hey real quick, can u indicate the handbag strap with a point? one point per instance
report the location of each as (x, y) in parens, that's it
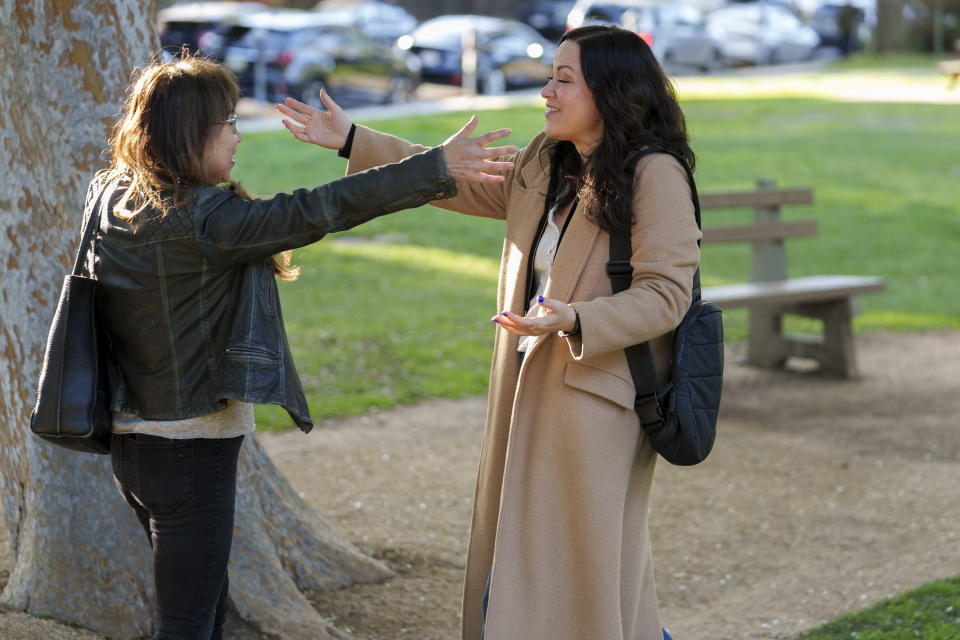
(530, 287)
(639, 357)
(91, 221)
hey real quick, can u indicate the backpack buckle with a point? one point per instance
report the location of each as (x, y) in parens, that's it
(619, 268)
(648, 407)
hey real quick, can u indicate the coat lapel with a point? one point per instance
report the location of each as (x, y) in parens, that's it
(526, 209)
(578, 243)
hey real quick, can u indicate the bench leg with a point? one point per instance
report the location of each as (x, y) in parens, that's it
(765, 339)
(767, 346)
(839, 357)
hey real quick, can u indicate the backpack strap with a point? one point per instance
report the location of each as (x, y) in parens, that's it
(639, 357)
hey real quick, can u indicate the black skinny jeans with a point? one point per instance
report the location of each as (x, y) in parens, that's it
(184, 493)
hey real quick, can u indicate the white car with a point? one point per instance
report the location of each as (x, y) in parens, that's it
(379, 20)
(761, 33)
(676, 32)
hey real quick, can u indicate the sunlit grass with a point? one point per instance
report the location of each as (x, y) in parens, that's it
(863, 61)
(930, 612)
(373, 325)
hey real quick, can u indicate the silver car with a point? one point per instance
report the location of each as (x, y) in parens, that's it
(381, 21)
(761, 33)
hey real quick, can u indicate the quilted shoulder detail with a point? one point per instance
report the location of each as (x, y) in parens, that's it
(177, 224)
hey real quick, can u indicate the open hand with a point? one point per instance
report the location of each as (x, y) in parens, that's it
(558, 316)
(324, 128)
(468, 158)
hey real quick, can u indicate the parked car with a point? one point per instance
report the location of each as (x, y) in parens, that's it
(761, 33)
(379, 20)
(681, 38)
(509, 53)
(635, 15)
(303, 53)
(191, 24)
(549, 17)
(676, 32)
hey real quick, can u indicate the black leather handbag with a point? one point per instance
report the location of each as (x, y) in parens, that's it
(73, 397)
(680, 419)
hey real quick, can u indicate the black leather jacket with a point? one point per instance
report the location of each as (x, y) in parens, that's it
(190, 300)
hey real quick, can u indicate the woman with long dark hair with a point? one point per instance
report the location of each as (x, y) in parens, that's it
(186, 263)
(559, 547)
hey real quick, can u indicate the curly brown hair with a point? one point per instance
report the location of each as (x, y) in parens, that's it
(639, 109)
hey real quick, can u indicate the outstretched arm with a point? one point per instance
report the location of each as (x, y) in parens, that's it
(468, 159)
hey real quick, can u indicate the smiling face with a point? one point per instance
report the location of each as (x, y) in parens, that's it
(218, 153)
(571, 112)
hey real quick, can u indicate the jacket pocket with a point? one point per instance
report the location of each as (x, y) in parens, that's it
(253, 371)
(600, 383)
(251, 354)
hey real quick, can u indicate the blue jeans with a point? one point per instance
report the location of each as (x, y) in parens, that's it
(486, 599)
(183, 492)
(483, 606)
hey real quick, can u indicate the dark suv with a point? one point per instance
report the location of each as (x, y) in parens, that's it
(303, 51)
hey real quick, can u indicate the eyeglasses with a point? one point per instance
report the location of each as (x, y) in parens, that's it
(232, 121)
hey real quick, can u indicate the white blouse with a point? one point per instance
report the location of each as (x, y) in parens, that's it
(542, 264)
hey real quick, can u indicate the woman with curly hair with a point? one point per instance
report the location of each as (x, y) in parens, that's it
(559, 547)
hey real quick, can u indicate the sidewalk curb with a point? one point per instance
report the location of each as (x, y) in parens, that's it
(260, 116)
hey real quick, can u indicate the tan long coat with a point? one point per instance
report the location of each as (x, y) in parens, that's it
(560, 513)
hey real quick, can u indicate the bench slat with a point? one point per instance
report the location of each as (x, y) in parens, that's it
(949, 66)
(762, 231)
(759, 198)
(791, 291)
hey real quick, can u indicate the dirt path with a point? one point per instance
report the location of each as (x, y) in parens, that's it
(821, 497)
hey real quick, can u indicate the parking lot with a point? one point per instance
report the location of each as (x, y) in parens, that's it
(376, 53)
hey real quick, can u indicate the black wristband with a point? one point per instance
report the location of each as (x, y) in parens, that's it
(348, 145)
(576, 327)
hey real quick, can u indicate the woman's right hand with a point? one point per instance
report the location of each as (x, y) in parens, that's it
(469, 159)
(324, 128)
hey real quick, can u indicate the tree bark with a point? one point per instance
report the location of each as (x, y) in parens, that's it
(77, 552)
(891, 30)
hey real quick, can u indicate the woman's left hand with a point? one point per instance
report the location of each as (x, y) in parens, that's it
(559, 316)
(324, 128)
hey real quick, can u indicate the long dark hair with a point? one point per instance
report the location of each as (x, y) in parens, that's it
(639, 109)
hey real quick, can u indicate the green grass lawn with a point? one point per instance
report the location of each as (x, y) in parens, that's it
(930, 612)
(401, 312)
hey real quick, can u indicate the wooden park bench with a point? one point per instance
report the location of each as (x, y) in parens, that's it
(951, 68)
(770, 294)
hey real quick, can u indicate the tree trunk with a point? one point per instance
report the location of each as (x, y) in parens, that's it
(890, 34)
(77, 553)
